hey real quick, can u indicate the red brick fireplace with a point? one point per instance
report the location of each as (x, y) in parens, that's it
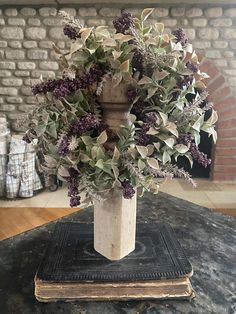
(223, 166)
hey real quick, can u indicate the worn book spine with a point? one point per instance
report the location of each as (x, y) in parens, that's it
(69, 291)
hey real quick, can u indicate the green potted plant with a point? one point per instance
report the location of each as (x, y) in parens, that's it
(130, 101)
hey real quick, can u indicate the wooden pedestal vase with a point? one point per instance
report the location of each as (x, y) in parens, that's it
(115, 225)
(115, 216)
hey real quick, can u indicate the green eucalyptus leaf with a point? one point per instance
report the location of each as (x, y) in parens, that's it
(84, 158)
(52, 130)
(50, 161)
(145, 13)
(143, 151)
(125, 66)
(172, 127)
(159, 27)
(145, 80)
(153, 163)
(170, 142)
(102, 138)
(116, 154)
(166, 157)
(40, 129)
(115, 170)
(63, 172)
(87, 140)
(164, 118)
(85, 34)
(141, 165)
(181, 148)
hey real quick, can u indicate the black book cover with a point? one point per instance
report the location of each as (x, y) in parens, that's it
(70, 256)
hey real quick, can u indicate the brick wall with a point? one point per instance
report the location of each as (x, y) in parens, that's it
(26, 35)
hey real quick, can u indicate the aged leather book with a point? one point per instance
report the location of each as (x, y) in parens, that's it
(72, 270)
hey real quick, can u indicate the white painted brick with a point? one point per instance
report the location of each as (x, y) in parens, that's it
(180, 11)
(28, 11)
(208, 33)
(221, 44)
(11, 12)
(221, 22)
(87, 12)
(194, 12)
(48, 11)
(213, 12)
(109, 12)
(200, 22)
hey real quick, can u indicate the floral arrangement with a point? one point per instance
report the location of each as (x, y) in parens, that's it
(169, 105)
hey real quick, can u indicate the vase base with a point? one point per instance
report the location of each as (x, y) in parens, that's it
(72, 270)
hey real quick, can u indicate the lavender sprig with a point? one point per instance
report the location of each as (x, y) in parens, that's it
(197, 155)
(128, 190)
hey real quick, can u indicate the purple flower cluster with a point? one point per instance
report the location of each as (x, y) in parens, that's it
(150, 118)
(139, 106)
(70, 32)
(128, 190)
(180, 36)
(63, 148)
(86, 123)
(192, 66)
(64, 87)
(131, 94)
(137, 60)
(124, 23)
(73, 192)
(197, 155)
(184, 81)
(143, 137)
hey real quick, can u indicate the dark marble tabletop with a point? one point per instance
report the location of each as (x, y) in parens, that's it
(207, 237)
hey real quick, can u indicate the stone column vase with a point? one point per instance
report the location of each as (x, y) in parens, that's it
(115, 216)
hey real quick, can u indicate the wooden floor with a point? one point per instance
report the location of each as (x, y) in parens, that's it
(17, 220)
(24, 214)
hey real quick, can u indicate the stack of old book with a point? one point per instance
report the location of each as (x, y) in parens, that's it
(72, 270)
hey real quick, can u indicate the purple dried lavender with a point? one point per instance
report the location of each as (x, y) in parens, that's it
(138, 107)
(184, 81)
(143, 138)
(123, 23)
(63, 148)
(131, 94)
(180, 36)
(75, 201)
(197, 155)
(73, 172)
(192, 66)
(86, 123)
(128, 190)
(70, 32)
(150, 118)
(64, 87)
(137, 60)
(73, 191)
